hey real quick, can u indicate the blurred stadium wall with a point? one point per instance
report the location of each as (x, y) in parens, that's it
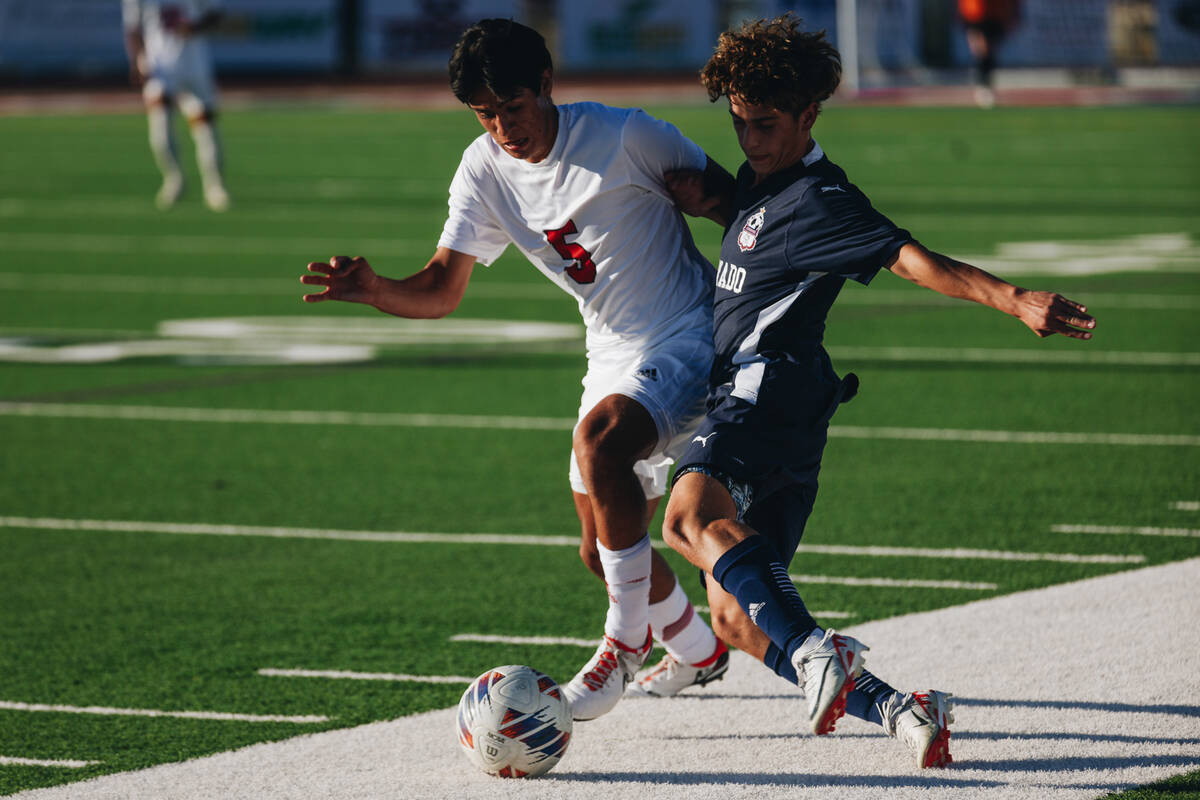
(895, 42)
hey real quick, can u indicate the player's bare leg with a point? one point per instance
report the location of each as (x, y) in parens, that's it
(208, 159)
(162, 146)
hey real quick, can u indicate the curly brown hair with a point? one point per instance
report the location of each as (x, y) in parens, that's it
(773, 63)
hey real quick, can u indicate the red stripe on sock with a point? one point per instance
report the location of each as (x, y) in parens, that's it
(676, 627)
(708, 662)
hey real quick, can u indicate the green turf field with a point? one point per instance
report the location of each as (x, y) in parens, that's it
(106, 419)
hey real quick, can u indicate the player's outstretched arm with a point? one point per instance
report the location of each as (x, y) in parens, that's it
(1044, 313)
(706, 194)
(433, 292)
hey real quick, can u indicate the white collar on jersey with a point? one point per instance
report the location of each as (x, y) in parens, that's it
(814, 155)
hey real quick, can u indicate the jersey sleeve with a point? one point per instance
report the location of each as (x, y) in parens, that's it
(842, 233)
(469, 227)
(655, 146)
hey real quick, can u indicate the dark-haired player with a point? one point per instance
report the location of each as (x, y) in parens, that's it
(796, 229)
(579, 190)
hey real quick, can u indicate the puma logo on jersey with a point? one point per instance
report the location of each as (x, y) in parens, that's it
(703, 440)
(834, 188)
(731, 277)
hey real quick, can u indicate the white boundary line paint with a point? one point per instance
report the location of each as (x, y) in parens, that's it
(489, 638)
(996, 355)
(45, 762)
(360, 676)
(152, 712)
(204, 529)
(1059, 737)
(1186, 505)
(895, 582)
(1127, 530)
(366, 419)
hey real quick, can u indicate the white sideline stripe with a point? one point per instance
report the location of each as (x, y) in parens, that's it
(152, 712)
(1186, 505)
(365, 419)
(44, 762)
(360, 676)
(990, 355)
(894, 582)
(539, 640)
(962, 552)
(205, 529)
(1127, 530)
(190, 528)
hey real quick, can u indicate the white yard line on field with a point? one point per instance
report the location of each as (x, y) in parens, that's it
(1186, 505)
(45, 762)
(1129, 530)
(999, 355)
(367, 419)
(153, 712)
(409, 537)
(360, 676)
(895, 582)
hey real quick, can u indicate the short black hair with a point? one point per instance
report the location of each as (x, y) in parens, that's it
(500, 55)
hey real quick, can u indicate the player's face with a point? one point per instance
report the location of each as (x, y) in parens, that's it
(525, 124)
(771, 139)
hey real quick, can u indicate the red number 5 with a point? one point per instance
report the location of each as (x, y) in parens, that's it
(584, 269)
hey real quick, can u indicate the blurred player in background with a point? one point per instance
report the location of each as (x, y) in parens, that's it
(987, 23)
(579, 190)
(169, 57)
(795, 230)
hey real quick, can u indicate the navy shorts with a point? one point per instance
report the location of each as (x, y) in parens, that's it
(768, 453)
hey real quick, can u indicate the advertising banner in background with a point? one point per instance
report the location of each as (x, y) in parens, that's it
(417, 35)
(636, 34)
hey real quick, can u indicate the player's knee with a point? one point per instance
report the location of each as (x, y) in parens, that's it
(598, 444)
(683, 528)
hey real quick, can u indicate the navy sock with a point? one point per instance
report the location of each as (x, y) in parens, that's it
(751, 572)
(777, 660)
(869, 694)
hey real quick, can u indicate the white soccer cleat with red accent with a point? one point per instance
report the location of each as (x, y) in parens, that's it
(669, 676)
(827, 671)
(922, 721)
(598, 687)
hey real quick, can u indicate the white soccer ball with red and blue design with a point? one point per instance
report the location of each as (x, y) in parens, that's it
(513, 722)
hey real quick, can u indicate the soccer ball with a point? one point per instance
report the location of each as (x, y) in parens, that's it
(513, 722)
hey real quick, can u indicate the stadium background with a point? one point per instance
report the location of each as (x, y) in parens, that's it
(172, 416)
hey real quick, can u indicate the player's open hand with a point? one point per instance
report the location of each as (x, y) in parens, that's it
(686, 187)
(348, 279)
(1048, 313)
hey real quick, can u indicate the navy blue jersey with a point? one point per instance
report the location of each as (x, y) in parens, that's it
(793, 241)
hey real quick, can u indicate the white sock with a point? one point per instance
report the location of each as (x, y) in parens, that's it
(627, 575)
(208, 152)
(680, 629)
(162, 143)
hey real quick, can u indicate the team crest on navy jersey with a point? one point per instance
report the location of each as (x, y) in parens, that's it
(749, 235)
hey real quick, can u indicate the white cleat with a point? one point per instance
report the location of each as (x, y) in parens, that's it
(670, 677)
(216, 198)
(599, 685)
(169, 194)
(827, 671)
(922, 721)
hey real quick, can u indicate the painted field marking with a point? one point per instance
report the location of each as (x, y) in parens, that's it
(894, 582)
(1134, 530)
(706, 609)
(1186, 505)
(44, 762)
(360, 676)
(152, 712)
(998, 355)
(367, 419)
(488, 638)
(204, 529)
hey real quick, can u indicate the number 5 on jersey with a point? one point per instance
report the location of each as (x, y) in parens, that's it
(584, 269)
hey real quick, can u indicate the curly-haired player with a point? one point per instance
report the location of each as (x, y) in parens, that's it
(795, 229)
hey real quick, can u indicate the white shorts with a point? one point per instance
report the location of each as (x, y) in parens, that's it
(188, 81)
(670, 382)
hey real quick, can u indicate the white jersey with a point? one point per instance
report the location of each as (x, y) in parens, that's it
(595, 217)
(159, 21)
